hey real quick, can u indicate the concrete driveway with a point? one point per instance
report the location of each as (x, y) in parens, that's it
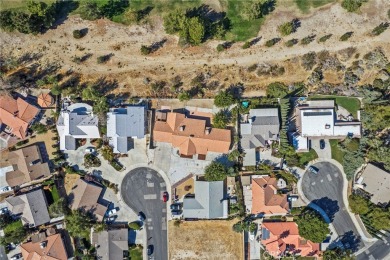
(142, 189)
(325, 153)
(325, 189)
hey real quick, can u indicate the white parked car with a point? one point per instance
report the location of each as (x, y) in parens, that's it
(90, 150)
(112, 212)
(6, 188)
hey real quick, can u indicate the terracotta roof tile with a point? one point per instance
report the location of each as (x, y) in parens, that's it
(17, 114)
(285, 236)
(45, 100)
(191, 135)
(265, 199)
(54, 249)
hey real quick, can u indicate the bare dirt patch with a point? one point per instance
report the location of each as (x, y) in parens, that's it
(202, 239)
(69, 182)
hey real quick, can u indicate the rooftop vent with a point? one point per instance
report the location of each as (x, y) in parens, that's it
(182, 128)
(43, 244)
(207, 131)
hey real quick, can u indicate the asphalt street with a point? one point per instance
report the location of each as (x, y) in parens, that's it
(325, 189)
(380, 250)
(142, 190)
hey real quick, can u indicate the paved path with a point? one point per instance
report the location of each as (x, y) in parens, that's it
(142, 190)
(325, 189)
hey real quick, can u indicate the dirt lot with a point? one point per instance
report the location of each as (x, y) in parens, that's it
(202, 239)
(130, 68)
(70, 180)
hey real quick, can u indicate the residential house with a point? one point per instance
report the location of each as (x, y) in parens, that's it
(376, 183)
(23, 166)
(208, 202)
(192, 136)
(123, 123)
(265, 197)
(31, 207)
(16, 116)
(318, 119)
(281, 238)
(259, 128)
(111, 244)
(44, 247)
(45, 100)
(85, 196)
(76, 121)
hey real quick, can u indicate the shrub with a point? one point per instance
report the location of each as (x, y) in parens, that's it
(308, 60)
(277, 90)
(325, 38)
(20, 143)
(134, 225)
(184, 96)
(77, 34)
(286, 28)
(380, 29)
(91, 160)
(291, 42)
(307, 40)
(272, 42)
(224, 99)
(39, 128)
(215, 171)
(246, 45)
(352, 5)
(346, 36)
(252, 67)
(103, 59)
(145, 50)
(116, 165)
(220, 47)
(221, 119)
(89, 11)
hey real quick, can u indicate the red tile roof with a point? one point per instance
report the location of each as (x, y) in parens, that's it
(16, 114)
(45, 100)
(285, 236)
(53, 250)
(265, 199)
(191, 135)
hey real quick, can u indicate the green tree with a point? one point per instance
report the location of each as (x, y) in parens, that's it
(14, 232)
(77, 34)
(89, 11)
(78, 224)
(174, 21)
(257, 9)
(358, 204)
(312, 227)
(56, 90)
(107, 153)
(224, 99)
(352, 5)
(58, 208)
(90, 93)
(101, 105)
(215, 171)
(380, 218)
(277, 90)
(184, 96)
(233, 155)
(221, 119)
(196, 30)
(286, 28)
(376, 117)
(6, 20)
(5, 219)
(39, 128)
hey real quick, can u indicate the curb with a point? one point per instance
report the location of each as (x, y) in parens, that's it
(345, 197)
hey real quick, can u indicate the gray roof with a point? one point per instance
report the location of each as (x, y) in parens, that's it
(70, 142)
(209, 201)
(263, 125)
(130, 121)
(111, 244)
(376, 182)
(122, 144)
(32, 206)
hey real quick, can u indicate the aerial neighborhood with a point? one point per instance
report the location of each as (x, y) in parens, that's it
(188, 130)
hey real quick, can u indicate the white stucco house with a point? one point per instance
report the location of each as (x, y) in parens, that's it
(125, 123)
(76, 121)
(318, 119)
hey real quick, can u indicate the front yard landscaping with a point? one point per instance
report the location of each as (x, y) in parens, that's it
(337, 153)
(305, 158)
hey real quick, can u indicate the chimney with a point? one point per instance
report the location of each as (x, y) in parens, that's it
(182, 128)
(207, 131)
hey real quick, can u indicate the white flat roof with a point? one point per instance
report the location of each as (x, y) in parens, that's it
(317, 122)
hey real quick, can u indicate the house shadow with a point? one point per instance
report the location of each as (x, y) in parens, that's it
(132, 236)
(330, 207)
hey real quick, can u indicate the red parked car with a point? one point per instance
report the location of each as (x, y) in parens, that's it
(165, 196)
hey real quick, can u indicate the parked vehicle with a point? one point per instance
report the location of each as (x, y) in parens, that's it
(313, 169)
(90, 150)
(175, 206)
(150, 250)
(3, 211)
(112, 212)
(322, 144)
(6, 188)
(165, 196)
(141, 216)
(17, 256)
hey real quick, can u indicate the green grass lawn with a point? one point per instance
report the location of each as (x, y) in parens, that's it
(135, 253)
(18, 5)
(304, 158)
(242, 29)
(13, 226)
(349, 103)
(54, 193)
(288, 177)
(337, 154)
(305, 5)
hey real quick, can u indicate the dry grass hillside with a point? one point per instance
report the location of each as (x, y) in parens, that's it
(132, 71)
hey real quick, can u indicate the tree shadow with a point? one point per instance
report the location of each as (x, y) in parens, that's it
(63, 9)
(347, 241)
(330, 207)
(157, 45)
(296, 23)
(105, 86)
